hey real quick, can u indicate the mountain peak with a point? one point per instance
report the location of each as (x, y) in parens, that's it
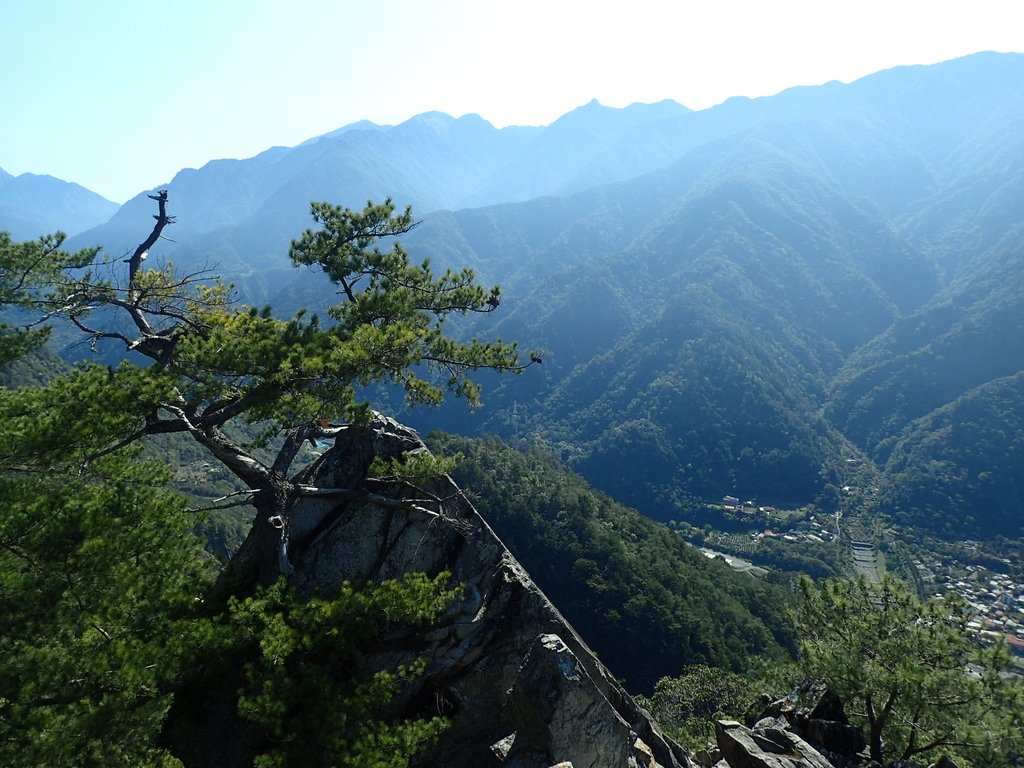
(32, 204)
(635, 113)
(432, 118)
(359, 125)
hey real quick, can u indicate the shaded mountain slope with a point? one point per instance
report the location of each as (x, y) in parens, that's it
(971, 334)
(956, 472)
(699, 353)
(936, 400)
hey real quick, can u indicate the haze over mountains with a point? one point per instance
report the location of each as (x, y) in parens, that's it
(745, 300)
(31, 205)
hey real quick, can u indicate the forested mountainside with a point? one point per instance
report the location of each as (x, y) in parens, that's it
(936, 401)
(32, 205)
(716, 331)
(782, 309)
(646, 602)
(731, 301)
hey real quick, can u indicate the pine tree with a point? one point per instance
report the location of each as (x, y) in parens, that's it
(107, 608)
(909, 672)
(210, 363)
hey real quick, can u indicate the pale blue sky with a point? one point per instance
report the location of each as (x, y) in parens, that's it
(118, 95)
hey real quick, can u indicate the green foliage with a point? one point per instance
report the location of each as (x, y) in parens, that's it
(105, 592)
(818, 561)
(102, 600)
(414, 467)
(26, 271)
(686, 706)
(100, 581)
(392, 321)
(956, 472)
(301, 684)
(215, 361)
(215, 367)
(644, 600)
(78, 413)
(909, 672)
(101, 577)
(102, 587)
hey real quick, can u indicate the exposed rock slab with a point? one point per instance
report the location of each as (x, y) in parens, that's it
(767, 747)
(520, 687)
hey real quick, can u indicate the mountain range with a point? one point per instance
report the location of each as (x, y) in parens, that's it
(31, 205)
(744, 300)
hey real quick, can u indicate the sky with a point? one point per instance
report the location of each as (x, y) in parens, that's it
(118, 95)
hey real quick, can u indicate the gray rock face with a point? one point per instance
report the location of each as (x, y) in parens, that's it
(824, 726)
(521, 688)
(766, 747)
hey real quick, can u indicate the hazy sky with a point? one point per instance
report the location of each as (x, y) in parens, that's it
(118, 95)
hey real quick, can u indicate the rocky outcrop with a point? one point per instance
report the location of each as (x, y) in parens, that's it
(771, 743)
(767, 746)
(519, 686)
(823, 724)
(789, 736)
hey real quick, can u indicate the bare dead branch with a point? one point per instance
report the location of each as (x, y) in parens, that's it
(236, 499)
(350, 494)
(162, 220)
(94, 335)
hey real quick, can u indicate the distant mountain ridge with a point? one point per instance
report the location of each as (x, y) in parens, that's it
(245, 211)
(752, 270)
(735, 300)
(764, 276)
(32, 205)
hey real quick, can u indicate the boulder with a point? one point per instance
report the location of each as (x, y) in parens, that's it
(828, 707)
(708, 757)
(823, 724)
(831, 736)
(771, 747)
(554, 702)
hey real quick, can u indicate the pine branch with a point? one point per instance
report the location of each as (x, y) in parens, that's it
(152, 427)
